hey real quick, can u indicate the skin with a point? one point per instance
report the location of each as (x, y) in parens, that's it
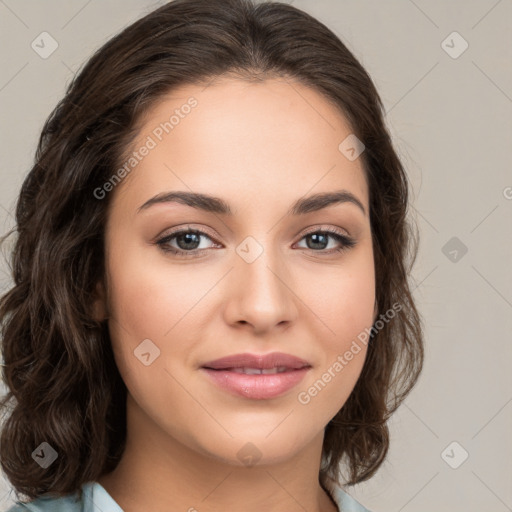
(260, 147)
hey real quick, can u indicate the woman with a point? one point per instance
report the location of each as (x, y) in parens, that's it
(257, 367)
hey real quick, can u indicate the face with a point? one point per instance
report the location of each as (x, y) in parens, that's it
(251, 273)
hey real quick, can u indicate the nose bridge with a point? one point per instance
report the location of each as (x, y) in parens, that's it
(261, 294)
(259, 265)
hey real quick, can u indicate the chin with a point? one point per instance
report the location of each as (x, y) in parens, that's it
(258, 448)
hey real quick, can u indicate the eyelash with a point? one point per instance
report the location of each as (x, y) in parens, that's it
(346, 242)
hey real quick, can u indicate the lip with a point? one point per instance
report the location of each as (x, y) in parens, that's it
(262, 361)
(257, 386)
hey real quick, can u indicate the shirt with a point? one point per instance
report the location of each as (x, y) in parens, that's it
(97, 499)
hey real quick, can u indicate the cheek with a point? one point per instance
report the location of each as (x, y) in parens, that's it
(140, 308)
(147, 299)
(146, 304)
(152, 300)
(346, 309)
(344, 300)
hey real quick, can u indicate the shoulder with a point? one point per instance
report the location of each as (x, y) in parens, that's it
(70, 503)
(94, 499)
(64, 504)
(345, 502)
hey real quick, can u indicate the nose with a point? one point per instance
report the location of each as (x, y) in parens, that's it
(261, 295)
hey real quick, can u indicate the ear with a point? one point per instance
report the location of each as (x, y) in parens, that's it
(99, 305)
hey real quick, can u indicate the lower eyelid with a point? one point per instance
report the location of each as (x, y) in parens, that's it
(172, 236)
(346, 241)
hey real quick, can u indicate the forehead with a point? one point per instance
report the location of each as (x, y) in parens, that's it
(233, 138)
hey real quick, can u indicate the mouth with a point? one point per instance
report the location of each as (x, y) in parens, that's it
(257, 377)
(255, 371)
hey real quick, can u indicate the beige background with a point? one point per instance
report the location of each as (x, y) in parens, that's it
(452, 123)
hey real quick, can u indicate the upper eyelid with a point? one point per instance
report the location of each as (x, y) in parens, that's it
(331, 229)
(186, 229)
(203, 232)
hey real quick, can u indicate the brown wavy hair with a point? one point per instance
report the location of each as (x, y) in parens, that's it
(63, 384)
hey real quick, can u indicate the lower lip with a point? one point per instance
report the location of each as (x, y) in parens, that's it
(259, 386)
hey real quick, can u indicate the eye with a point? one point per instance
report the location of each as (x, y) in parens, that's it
(187, 242)
(319, 240)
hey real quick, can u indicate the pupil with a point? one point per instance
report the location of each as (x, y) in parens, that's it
(190, 238)
(315, 238)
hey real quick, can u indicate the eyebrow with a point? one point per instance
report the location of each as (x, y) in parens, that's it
(214, 204)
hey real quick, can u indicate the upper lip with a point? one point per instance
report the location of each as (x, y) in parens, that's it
(262, 361)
